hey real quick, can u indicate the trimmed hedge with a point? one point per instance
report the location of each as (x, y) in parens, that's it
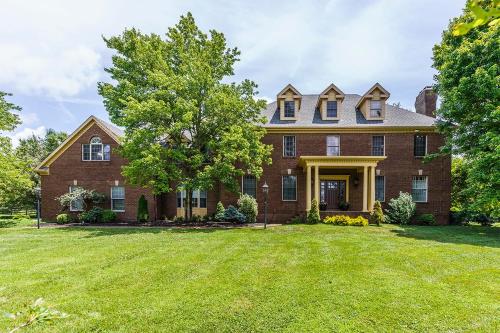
(346, 220)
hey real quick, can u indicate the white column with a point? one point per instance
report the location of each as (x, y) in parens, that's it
(308, 188)
(372, 188)
(316, 183)
(365, 189)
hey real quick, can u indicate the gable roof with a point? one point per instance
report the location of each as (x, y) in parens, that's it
(349, 117)
(375, 86)
(289, 87)
(334, 87)
(114, 132)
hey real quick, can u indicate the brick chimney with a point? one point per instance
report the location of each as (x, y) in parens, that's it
(425, 103)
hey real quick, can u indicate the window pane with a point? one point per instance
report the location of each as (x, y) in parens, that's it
(331, 108)
(419, 189)
(194, 198)
(96, 151)
(179, 199)
(117, 204)
(118, 192)
(86, 152)
(249, 185)
(107, 152)
(96, 139)
(375, 108)
(289, 146)
(378, 145)
(75, 205)
(333, 145)
(289, 188)
(290, 109)
(420, 144)
(380, 188)
(203, 199)
(333, 140)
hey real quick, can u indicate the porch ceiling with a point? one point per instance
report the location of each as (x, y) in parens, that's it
(340, 161)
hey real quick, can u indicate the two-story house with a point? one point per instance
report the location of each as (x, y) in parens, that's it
(331, 146)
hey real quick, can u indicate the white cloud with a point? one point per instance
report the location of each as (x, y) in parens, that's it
(26, 133)
(29, 119)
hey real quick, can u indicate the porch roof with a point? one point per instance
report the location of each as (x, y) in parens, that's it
(340, 161)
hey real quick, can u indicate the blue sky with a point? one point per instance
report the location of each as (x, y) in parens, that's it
(52, 54)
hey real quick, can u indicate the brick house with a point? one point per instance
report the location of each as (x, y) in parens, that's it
(331, 146)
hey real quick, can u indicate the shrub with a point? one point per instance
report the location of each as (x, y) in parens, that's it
(219, 212)
(196, 218)
(178, 219)
(297, 220)
(92, 216)
(426, 219)
(142, 209)
(89, 197)
(343, 205)
(248, 207)
(62, 219)
(108, 216)
(377, 216)
(401, 209)
(313, 216)
(21, 217)
(232, 214)
(346, 220)
(484, 219)
(206, 218)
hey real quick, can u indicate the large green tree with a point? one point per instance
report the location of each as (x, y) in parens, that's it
(185, 125)
(468, 83)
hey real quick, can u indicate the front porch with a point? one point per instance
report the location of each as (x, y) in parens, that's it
(338, 179)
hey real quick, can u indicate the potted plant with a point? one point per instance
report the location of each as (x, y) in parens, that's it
(322, 206)
(343, 205)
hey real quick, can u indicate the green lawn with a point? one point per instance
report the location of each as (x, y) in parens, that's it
(296, 278)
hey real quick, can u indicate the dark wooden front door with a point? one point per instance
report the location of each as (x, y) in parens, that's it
(333, 193)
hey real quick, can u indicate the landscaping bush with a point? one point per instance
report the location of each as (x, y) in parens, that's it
(248, 206)
(343, 205)
(108, 216)
(219, 212)
(377, 216)
(313, 216)
(457, 216)
(484, 219)
(401, 209)
(62, 219)
(89, 198)
(346, 220)
(196, 218)
(178, 219)
(232, 214)
(425, 219)
(92, 216)
(297, 220)
(142, 209)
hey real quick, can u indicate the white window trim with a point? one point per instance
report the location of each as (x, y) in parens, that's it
(337, 135)
(242, 187)
(102, 150)
(295, 148)
(426, 143)
(426, 189)
(384, 189)
(284, 109)
(111, 196)
(381, 108)
(282, 188)
(184, 196)
(71, 208)
(383, 154)
(337, 110)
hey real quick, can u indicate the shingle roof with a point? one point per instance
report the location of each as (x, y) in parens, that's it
(309, 116)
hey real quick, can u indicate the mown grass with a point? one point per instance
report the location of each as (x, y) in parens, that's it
(296, 278)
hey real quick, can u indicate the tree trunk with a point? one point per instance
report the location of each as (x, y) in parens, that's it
(188, 208)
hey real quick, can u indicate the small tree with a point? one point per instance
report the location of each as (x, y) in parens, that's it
(89, 198)
(313, 216)
(377, 216)
(219, 212)
(401, 209)
(142, 209)
(248, 207)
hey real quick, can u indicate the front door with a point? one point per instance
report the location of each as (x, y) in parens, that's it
(332, 192)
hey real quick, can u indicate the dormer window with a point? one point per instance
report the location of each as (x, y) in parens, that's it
(331, 109)
(375, 108)
(95, 150)
(289, 109)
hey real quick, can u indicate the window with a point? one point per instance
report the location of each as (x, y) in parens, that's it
(249, 185)
(289, 185)
(380, 188)
(289, 109)
(333, 145)
(199, 199)
(75, 205)
(375, 109)
(419, 188)
(378, 145)
(118, 198)
(420, 145)
(331, 109)
(289, 146)
(96, 151)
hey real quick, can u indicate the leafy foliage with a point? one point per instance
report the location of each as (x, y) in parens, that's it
(183, 123)
(377, 215)
(248, 206)
(142, 209)
(401, 209)
(346, 220)
(425, 219)
(94, 215)
(89, 197)
(467, 81)
(108, 216)
(8, 120)
(62, 218)
(313, 216)
(480, 16)
(34, 313)
(231, 214)
(219, 212)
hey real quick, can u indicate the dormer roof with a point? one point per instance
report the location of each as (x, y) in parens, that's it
(368, 94)
(289, 87)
